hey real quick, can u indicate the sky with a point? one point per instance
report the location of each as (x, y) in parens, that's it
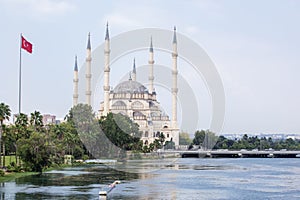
(253, 44)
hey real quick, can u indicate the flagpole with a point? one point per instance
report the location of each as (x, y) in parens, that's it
(20, 68)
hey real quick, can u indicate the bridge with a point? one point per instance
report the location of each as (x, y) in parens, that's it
(233, 154)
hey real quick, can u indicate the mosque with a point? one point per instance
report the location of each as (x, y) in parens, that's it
(133, 99)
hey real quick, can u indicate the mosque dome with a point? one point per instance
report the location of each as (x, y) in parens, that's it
(130, 86)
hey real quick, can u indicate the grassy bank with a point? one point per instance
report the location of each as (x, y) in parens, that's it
(9, 160)
(62, 166)
(10, 176)
(13, 175)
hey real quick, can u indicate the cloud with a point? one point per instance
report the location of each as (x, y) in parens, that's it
(39, 8)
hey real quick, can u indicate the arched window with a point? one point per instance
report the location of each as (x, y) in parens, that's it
(119, 105)
(138, 115)
(137, 105)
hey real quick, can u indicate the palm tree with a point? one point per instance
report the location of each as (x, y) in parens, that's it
(22, 129)
(5, 113)
(5, 131)
(36, 120)
(10, 137)
(22, 122)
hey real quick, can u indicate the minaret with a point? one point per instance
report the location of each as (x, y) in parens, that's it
(106, 86)
(88, 74)
(75, 81)
(151, 62)
(174, 82)
(134, 71)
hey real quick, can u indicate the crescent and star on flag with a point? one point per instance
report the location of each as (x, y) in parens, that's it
(26, 45)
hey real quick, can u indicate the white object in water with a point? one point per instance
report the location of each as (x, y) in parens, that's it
(102, 193)
(110, 188)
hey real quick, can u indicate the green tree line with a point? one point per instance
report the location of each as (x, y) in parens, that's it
(36, 146)
(207, 139)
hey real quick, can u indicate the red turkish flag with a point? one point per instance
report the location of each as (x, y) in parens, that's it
(26, 45)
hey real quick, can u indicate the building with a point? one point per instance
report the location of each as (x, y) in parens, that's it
(133, 99)
(49, 119)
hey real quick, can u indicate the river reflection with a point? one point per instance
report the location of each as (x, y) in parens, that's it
(78, 176)
(156, 179)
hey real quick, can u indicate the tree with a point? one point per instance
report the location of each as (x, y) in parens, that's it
(169, 145)
(121, 131)
(36, 120)
(81, 113)
(205, 138)
(82, 118)
(66, 140)
(21, 129)
(10, 139)
(184, 139)
(222, 143)
(264, 144)
(161, 138)
(22, 125)
(157, 144)
(107, 137)
(34, 152)
(151, 147)
(199, 137)
(245, 137)
(145, 149)
(127, 125)
(5, 113)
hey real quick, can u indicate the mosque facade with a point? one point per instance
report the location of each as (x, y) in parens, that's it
(133, 99)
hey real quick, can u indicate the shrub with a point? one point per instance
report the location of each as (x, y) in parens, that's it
(17, 169)
(13, 164)
(85, 157)
(2, 173)
(9, 168)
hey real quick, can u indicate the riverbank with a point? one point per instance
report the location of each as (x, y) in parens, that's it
(11, 176)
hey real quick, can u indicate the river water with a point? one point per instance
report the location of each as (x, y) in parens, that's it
(187, 178)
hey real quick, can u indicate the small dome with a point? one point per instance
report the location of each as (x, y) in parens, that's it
(130, 87)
